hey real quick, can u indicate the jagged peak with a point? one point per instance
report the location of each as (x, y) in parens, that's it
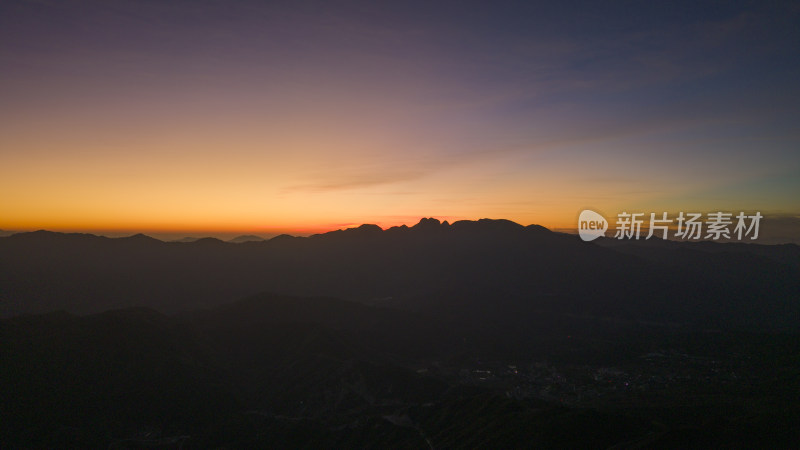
(427, 222)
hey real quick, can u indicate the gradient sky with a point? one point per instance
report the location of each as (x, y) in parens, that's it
(303, 116)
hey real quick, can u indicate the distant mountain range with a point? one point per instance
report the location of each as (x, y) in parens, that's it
(488, 271)
(236, 240)
(186, 239)
(246, 238)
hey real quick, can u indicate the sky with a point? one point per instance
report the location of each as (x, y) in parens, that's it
(254, 117)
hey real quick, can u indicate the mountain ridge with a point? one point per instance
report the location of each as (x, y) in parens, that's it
(486, 271)
(423, 224)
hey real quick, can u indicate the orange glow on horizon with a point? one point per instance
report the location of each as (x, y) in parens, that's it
(231, 230)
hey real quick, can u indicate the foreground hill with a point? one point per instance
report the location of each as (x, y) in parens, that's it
(288, 372)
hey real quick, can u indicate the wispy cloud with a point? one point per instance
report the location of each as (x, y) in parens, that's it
(349, 179)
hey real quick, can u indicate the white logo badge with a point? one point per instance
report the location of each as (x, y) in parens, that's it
(591, 225)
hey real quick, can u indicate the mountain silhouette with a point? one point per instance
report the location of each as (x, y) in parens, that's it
(246, 238)
(186, 239)
(447, 335)
(488, 272)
